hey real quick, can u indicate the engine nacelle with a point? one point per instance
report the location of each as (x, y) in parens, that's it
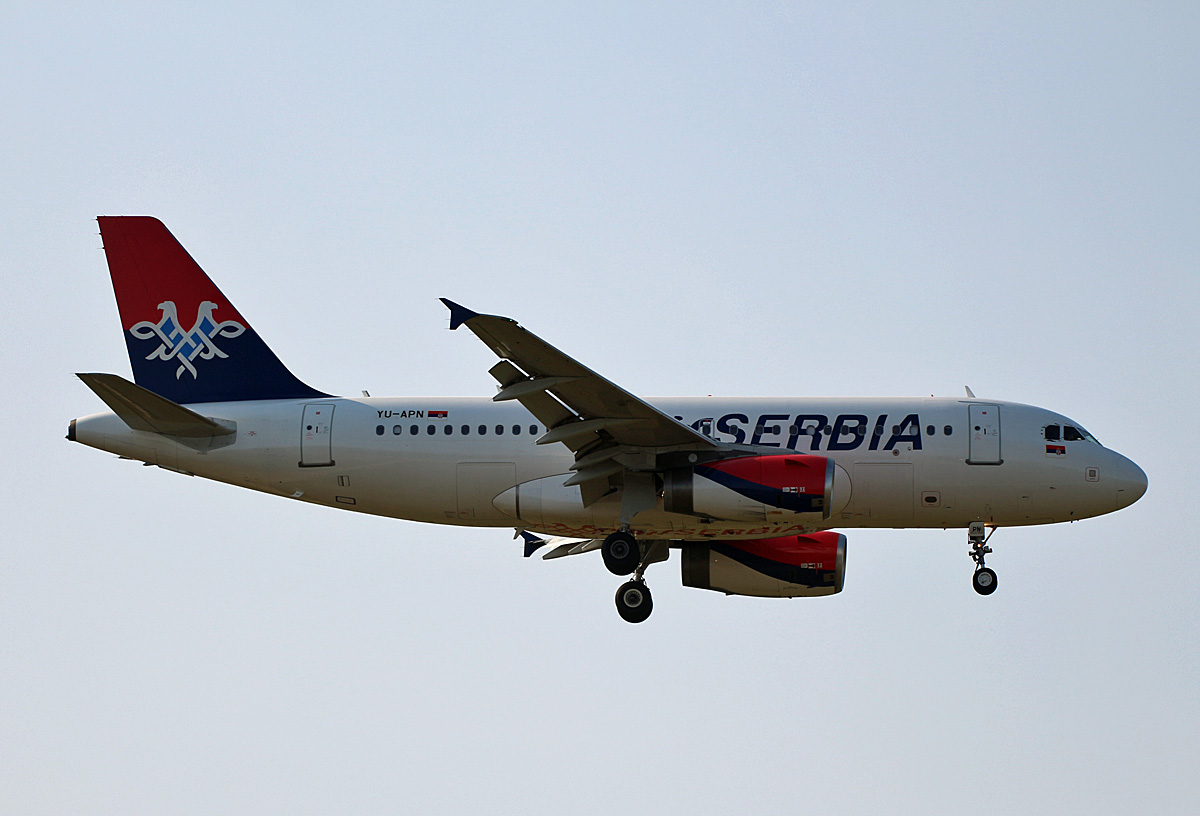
(760, 488)
(788, 567)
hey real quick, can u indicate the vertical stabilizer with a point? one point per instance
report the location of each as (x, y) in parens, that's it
(186, 340)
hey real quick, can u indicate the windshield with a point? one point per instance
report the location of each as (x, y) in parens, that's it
(1068, 433)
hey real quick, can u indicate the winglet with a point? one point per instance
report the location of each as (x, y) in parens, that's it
(458, 314)
(532, 542)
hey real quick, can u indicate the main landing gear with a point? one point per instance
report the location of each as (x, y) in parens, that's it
(634, 603)
(984, 579)
(621, 553)
(623, 556)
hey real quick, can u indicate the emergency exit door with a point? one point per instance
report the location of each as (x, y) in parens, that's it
(984, 435)
(316, 435)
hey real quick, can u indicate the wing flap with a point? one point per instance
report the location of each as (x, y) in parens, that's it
(548, 411)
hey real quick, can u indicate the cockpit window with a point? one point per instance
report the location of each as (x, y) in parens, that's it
(1069, 433)
(1073, 434)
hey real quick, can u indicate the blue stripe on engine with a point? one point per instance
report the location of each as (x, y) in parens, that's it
(792, 574)
(773, 496)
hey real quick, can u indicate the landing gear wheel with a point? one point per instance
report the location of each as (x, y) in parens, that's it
(621, 553)
(984, 581)
(634, 603)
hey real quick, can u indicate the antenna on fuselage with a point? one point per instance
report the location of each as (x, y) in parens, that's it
(970, 393)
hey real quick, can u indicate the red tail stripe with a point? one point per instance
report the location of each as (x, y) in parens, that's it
(150, 267)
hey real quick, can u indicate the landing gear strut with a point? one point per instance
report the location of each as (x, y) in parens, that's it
(984, 579)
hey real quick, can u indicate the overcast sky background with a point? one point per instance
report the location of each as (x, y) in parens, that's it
(774, 199)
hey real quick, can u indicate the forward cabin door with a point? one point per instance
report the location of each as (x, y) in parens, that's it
(985, 435)
(316, 435)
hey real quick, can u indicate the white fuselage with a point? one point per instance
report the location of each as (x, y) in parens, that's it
(912, 463)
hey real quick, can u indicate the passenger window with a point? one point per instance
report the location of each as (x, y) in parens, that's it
(396, 430)
(947, 430)
(499, 430)
(413, 429)
(930, 431)
(1051, 433)
(532, 429)
(516, 430)
(1071, 434)
(449, 429)
(379, 430)
(483, 430)
(466, 429)
(430, 430)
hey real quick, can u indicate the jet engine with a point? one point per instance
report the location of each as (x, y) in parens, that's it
(759, 488)
(788, 567)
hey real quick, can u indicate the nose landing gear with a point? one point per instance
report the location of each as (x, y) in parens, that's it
(984, 579)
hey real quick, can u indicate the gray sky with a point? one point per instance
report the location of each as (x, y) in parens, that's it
(776, 199)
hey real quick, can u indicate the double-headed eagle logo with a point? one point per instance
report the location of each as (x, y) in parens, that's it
(186, 347)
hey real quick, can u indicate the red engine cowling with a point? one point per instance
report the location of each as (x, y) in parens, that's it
(760, 488)
(788, 567)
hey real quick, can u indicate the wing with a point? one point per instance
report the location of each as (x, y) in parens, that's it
(607, 428)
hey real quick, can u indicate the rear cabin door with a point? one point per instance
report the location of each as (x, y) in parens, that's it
(985, 435)
(316, 435)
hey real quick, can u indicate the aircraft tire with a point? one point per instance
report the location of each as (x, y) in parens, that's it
(984, 581)
(634, 603)
(621, 553)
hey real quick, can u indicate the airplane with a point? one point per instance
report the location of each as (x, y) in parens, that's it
(748, 490)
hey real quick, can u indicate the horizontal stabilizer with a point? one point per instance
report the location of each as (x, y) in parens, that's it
(143, 410)
(532, 543)
(572, 546)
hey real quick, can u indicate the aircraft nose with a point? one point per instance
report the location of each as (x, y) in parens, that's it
(1131, 483)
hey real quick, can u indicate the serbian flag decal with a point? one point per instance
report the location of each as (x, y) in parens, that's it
(1056, 450)
(439, 414)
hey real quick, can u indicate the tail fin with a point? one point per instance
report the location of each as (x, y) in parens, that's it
(160, 292)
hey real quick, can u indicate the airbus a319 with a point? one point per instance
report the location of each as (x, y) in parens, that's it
(747, 490)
